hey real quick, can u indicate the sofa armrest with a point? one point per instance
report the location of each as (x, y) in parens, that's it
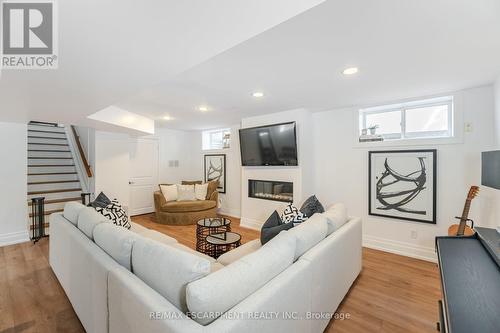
(214, 196)
(159, 200)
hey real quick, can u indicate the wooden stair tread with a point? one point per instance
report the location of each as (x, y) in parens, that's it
(49, 158)
(50, 165)
(48, 212)
(54, 182)
(46, 225)
(48, 144)
(55, 191)
(44, 137)
(48, 202)
(51, 173)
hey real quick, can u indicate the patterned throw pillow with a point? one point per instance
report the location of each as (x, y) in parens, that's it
(292, 214)
(115, 212)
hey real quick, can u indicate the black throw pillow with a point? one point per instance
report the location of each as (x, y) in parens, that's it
(101, 201)
(312, 206)
(272, 227)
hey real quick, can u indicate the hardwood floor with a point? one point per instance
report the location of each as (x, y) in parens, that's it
(392, 294)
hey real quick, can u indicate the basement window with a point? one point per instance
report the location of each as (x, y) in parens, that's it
(216, 139)
(422, 119)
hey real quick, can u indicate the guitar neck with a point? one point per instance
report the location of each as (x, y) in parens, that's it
(465, 216)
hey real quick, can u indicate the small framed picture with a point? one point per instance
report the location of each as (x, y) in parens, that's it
(402, 184)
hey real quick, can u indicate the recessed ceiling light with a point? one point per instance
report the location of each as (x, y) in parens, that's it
(258, 94)
(167, 118)
(350, 71)
(203, 108)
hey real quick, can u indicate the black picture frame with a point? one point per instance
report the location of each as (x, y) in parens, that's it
(222, 185)
(434, 184)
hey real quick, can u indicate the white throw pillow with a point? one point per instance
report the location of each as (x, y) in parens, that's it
(336, 216)
(185, 193)
(169, 192)
(200, 191)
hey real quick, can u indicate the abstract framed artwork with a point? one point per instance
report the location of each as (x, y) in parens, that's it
(402, 184)
(215, 169)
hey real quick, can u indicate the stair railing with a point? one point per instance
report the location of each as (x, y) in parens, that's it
(82, 165)
(37, 219)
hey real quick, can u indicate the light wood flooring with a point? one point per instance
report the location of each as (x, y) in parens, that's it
(392, 294)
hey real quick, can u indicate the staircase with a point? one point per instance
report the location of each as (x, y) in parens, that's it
(51, 169)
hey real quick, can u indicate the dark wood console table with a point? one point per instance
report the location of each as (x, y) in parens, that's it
(470, 280)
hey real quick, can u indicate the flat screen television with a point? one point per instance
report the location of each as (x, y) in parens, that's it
(269, 145)
(490, 169)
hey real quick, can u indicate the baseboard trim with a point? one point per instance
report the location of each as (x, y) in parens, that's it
(401, 248)
(250, 223)
(14, 238)
(229, 212)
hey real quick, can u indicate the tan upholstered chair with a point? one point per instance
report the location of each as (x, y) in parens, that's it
(187, 212)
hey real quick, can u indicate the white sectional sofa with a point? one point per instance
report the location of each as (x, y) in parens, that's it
(139, 280)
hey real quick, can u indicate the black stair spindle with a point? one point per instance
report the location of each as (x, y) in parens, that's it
(38, 218)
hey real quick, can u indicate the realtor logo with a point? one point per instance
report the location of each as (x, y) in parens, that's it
(29, 35)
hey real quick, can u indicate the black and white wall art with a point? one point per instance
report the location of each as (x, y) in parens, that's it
(215, 169)
(402, 184)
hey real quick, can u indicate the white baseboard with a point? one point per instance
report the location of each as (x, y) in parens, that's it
(401, 248)
(250, 223)
(229, 212)
(14, 238)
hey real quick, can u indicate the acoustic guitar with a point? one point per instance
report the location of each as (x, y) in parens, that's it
(462, 229)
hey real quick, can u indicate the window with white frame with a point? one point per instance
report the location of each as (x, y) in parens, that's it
(423, 119)
(216, 139)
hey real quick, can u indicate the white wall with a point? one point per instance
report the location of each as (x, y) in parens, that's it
(497, 110)
(342, 175)
(13, 183)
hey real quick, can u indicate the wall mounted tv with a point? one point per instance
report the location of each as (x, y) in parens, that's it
(269, 145)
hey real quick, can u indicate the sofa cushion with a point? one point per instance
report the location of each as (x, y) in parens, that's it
(309, 233)
(190, 250)
(169, 192)
(200, 191)
(88, 219)
(167, 270)
(72, 210)
(239, 252)
(336, 216)
(158, 236)
(212, 187)
(226, 287)
(311, 206)
(185, 193)
(116, 241)
(137, 228)
(188, 206)
(272, 227)
(191, 182)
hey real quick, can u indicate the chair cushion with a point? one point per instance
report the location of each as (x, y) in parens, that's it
(200, 191)
(309, 233)
(185, 193)
(239, 252)
(158, 236)
(188, 206)
(336, 216)
(72, 210)
(272, 227)
(88, 219)
(169, 192)
(116, 241)
(226, 287)
(191, 182)
(167, 270)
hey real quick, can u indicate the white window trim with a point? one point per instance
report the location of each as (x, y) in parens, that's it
(457, 124)
(210, 132)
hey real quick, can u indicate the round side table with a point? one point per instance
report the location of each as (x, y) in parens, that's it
(207, 227)
(220, 243)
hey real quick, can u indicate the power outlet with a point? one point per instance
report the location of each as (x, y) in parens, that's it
(414, 234)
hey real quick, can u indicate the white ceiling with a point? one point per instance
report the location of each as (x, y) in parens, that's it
(403, 49)
(111, 50)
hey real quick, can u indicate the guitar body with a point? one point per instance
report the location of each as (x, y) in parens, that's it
(453, 230)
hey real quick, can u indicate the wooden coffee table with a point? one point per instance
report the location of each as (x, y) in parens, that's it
(220, 243)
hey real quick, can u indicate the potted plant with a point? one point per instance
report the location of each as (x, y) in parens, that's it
(373, 129)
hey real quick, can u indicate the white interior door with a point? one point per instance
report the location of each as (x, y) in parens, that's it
(143, 175)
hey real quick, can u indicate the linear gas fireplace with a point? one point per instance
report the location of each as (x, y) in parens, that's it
(270, 190)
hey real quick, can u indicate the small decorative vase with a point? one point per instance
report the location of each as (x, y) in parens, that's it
(373, 131)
